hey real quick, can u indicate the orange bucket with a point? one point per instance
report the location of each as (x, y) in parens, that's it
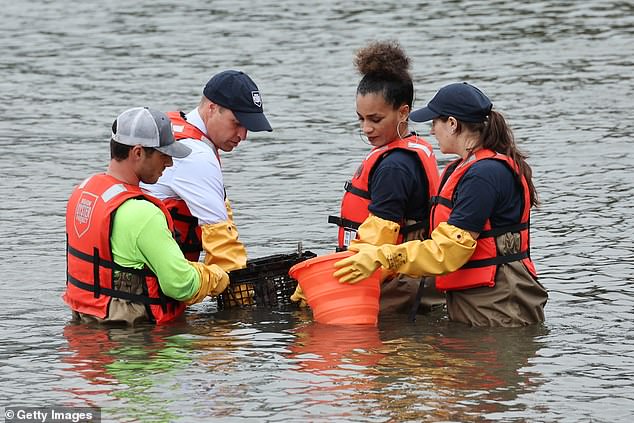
(337, 303)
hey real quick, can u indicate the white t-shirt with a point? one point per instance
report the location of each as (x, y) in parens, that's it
(196, 179)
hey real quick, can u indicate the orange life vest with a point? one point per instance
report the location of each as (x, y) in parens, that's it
(356, 199)
(481, 268)
(90, 267)
(186, 229)
(185, 130)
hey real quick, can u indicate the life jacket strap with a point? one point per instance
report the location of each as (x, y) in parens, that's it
(135, 298)
(191, 243)
(495, 232)
(436, 199)
(349, 224)
(495, 261)
(348, 187)
(343, 223)
(95, 273)
(106, 263)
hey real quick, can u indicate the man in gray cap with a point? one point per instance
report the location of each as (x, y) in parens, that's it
(123, 265)
(193, 190)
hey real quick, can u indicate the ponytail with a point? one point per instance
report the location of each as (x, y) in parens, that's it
(497, 136)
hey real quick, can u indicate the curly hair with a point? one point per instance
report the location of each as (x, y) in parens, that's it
(385, 69)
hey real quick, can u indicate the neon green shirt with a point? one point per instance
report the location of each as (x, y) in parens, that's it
(140, 236)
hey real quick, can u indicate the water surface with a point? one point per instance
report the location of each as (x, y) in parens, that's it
(561, 71)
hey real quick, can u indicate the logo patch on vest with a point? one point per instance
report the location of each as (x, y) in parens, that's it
(257, 100)
(83, 213)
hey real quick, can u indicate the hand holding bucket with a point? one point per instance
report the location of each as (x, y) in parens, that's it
(333, 302)
(359, 266)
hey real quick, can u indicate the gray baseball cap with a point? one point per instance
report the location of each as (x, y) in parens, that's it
(148, 128)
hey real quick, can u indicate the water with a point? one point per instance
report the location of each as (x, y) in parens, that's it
(561, 71)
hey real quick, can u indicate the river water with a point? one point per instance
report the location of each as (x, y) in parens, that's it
(561, 71)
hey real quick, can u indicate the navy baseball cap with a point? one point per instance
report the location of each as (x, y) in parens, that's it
(237, 92)
(460, 100)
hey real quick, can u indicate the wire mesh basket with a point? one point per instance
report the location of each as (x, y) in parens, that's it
(264, 282)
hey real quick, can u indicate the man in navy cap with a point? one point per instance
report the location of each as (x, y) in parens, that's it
(123, 265)
(193, 189)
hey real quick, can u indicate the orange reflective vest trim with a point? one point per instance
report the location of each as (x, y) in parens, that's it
(186, 229)
(481, 268)
(356, 199)
(90, 267)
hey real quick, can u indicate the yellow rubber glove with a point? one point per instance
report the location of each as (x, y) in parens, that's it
(299, 297)
(213, 280)
(377, 231)
(222, 247)
(448, 249)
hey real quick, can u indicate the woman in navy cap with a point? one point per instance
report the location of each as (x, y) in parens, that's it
(480, 244)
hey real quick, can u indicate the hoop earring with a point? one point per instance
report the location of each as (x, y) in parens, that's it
(364, 140)
(398, 129)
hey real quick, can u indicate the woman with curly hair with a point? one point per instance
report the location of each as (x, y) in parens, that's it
(387, 201)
